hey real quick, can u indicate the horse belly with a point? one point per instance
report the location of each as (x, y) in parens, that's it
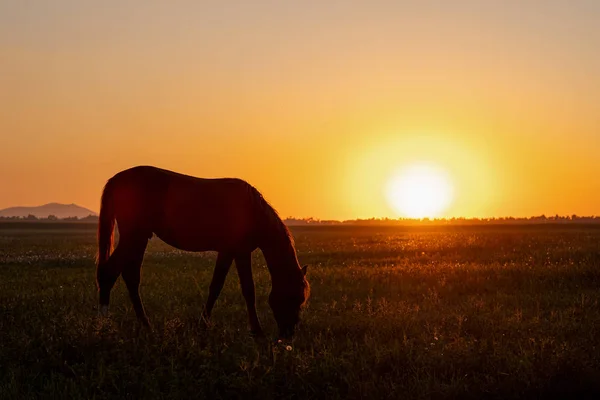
(206, 215)
(190, 242)
(204, 233)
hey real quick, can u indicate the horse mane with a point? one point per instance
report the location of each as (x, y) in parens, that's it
(274, 221)
(271, 217)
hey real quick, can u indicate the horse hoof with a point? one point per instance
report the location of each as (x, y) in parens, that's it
(103, 311)
(257, 334)
(145, 322)
(205, 323)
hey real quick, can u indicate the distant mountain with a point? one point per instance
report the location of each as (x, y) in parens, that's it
(56, 209)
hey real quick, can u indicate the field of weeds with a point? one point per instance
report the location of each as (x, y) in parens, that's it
(472, 312)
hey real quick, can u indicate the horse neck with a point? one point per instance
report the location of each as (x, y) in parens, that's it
(281, 259)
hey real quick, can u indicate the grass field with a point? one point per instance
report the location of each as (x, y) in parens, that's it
(473, 312)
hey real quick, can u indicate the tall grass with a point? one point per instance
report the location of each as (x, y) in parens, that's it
(394, 313)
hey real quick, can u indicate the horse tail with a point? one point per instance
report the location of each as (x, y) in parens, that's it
(106, 224)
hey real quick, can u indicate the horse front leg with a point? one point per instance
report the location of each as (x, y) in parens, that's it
(244, 269)
(222, 266)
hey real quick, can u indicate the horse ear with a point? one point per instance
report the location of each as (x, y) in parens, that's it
(304, 270)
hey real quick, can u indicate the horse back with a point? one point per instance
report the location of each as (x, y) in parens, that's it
(189, 213)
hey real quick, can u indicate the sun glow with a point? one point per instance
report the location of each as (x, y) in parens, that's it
(420, 191)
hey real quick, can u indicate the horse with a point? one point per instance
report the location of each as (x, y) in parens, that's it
(226, 215)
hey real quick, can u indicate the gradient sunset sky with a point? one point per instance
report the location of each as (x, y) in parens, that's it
(315, 103)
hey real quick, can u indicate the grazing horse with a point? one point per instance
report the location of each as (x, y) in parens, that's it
(228, 216)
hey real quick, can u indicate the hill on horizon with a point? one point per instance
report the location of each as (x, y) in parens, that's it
(43, 211)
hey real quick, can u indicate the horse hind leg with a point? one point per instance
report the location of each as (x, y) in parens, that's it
(133, 255)
(222, 266)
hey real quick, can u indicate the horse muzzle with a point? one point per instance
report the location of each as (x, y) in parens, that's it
(286, 334)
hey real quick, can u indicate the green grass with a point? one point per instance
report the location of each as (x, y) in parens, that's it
(477, 312)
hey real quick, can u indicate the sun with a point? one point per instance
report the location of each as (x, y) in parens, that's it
(420, 191)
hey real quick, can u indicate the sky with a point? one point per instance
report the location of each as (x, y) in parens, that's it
(317, 104)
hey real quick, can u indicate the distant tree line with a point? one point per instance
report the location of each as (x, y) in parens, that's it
(542, 219)
(31, 217)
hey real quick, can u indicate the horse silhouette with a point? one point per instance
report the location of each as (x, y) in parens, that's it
(225, 215)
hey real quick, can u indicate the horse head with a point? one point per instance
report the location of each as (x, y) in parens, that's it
(287, 303)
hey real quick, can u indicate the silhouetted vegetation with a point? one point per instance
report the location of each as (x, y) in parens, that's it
(291, 221)
(542, 219)
(51, 218)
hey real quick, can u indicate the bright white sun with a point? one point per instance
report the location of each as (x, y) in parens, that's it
(420, 191)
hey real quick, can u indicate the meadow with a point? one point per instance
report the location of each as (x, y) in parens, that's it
(412, 313)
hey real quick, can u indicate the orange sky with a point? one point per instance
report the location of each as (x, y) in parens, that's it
(316, 105)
